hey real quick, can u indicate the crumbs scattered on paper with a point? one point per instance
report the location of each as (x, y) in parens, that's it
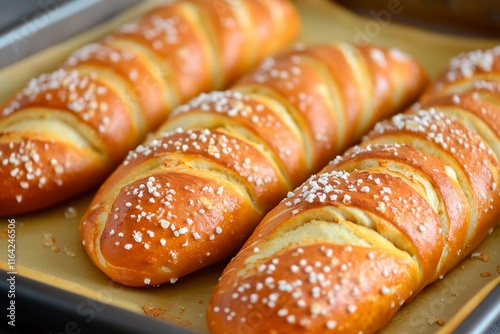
(50, 241)
(153, 311)
(480, 256)
(433, 321)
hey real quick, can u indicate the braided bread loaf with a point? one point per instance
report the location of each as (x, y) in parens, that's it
(189, 198)
(348, 247)
(65, 131)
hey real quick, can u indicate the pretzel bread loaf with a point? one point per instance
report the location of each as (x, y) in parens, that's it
(343, 251)
(64, 132)
(193, 193)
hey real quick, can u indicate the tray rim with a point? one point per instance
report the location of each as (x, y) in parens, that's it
(41, 299)
(23, 40)
(67, 305)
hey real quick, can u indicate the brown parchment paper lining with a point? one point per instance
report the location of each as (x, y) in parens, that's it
(48, 247)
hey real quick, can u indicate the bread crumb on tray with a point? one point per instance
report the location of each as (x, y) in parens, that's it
(439, 322)
(154, 311)
(480, 256)
(48, 240)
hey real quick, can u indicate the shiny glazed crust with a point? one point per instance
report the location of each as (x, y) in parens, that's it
(343, 251)
(65, 131)
(195, 190)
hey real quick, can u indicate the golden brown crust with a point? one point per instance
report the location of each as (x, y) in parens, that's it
(108, 95)
(407, 160)
(388, 90)
(471, 157)
(257, 140)
(173, 34)
(474, 102)
(334, 82)
(133, 68)
(26, 166)
(226, 153)
(86, 101)
(191, 203)
(322, 287)
(150, 257)
(396, 211)
(476, 70)
(305, 90)
(252, 112)
(421, 187)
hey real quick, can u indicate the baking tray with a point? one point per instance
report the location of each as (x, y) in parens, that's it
(57, 286)
(28, 26)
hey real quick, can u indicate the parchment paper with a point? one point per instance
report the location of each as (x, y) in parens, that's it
(48, 245)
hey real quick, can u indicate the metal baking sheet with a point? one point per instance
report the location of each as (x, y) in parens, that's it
(30, 26)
